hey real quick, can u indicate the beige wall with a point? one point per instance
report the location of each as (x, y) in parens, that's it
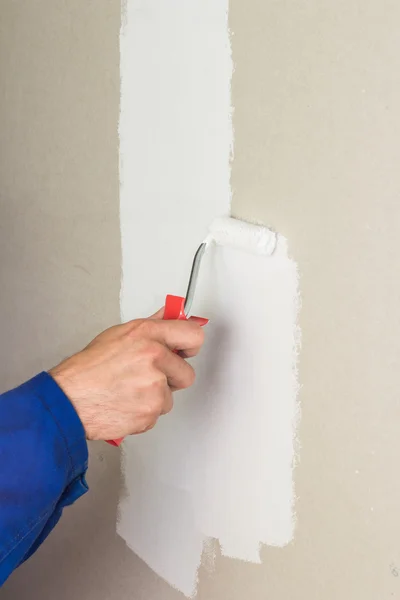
(317, 122)
(59, 227)
(317, 119)
(60, 247)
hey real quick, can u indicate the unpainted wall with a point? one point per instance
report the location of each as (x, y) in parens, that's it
(317, 93)
(60, 248)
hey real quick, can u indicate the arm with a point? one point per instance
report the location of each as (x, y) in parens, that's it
(43, 460)
(118, 385)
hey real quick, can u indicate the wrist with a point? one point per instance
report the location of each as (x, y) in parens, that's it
(66, 379)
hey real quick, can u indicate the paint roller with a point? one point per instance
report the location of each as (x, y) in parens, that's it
(224, 231)
(227, 231)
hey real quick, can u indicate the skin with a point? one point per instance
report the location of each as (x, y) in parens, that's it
(123, 380)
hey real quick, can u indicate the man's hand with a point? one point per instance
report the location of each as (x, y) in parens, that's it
(123, 381)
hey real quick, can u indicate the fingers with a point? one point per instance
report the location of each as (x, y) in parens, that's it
(185, 336)
(156, 400)
(180, 375)
(168, 402)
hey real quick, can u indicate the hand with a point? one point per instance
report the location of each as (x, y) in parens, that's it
(123, 381)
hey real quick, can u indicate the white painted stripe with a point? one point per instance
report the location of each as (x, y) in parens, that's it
(220, 465)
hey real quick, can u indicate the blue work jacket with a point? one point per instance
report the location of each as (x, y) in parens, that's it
(43, 461)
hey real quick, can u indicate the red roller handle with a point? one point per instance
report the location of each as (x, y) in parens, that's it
(174, 310)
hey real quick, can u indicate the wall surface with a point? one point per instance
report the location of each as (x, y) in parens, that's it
(60, 247)
(316, 93)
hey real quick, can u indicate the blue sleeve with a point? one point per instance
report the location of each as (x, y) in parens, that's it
(43, 460)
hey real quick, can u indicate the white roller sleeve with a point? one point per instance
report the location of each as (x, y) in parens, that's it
(226, 231)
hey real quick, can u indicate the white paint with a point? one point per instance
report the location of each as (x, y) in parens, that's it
(220, 465)
(175, 141)
(249, 237)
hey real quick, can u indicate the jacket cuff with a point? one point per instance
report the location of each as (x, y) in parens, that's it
(66, 418)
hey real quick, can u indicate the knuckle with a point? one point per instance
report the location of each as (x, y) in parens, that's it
(145, 328)
(156, 387)
(152, 350)
(153, 384)
(149, 413)
(149, 419)
(158, 351)
(158, 382)
(151, 409)
(155, 408)
(168, 406)
(132, 327)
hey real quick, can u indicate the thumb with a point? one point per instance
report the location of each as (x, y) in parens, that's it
(158, 315)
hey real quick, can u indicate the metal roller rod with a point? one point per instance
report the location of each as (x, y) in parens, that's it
(194, 275)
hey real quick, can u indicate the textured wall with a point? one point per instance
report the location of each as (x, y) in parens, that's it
(59, 223)
(60, 246)
(317, 122)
